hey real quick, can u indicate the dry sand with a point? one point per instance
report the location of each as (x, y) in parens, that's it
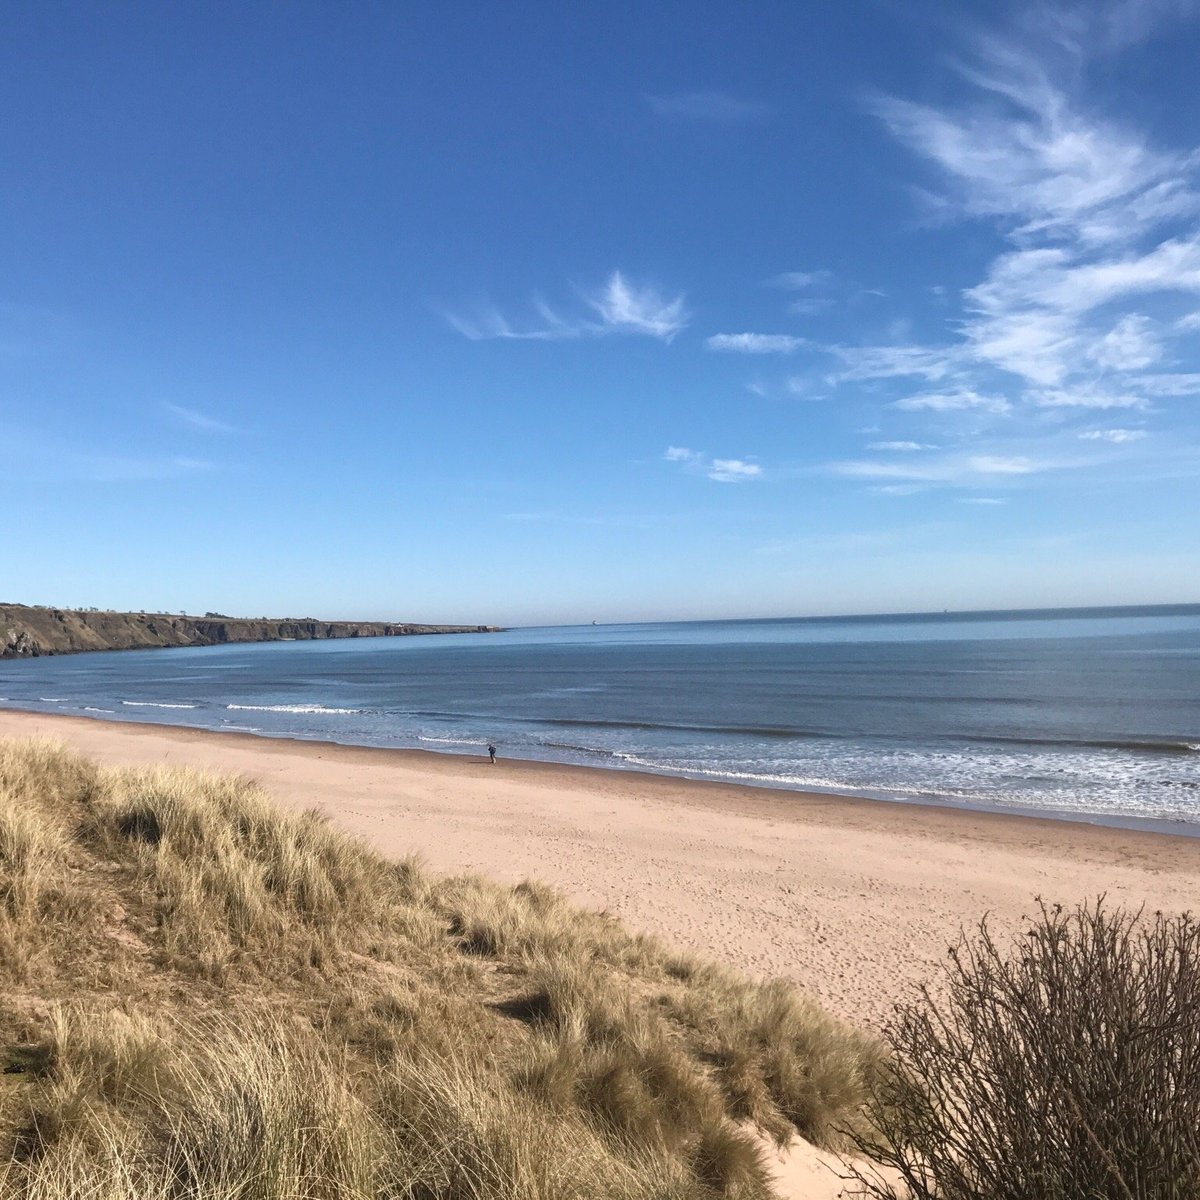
(855, 900)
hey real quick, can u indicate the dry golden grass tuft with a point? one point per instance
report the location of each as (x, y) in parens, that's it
(209, 997)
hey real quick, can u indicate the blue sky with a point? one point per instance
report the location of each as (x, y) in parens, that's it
(543, 312)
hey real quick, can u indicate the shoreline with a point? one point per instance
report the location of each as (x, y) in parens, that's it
(854, 899)
(1146, 825)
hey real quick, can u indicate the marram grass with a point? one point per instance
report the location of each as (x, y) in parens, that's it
(205, 996)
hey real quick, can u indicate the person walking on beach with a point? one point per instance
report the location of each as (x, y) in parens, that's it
(492, 753)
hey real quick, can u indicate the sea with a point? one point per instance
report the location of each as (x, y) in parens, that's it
(1088, 713)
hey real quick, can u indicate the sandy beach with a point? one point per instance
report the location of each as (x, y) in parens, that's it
(855, 900)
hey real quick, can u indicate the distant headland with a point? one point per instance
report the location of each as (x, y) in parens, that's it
(30, 632)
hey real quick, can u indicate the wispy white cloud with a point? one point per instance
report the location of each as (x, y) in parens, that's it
(963, 400)
(874, 469)
(932, 363)
(1106, 26)
(719, 470)
(626, 308)
(899, 489)
(1086, 396)
(808, 387)
(1005, 465)
(619, 306)
(733, 470)
(1000, 464)
(1130, 345)
(986, 500)
(755, 343)
(1032, 315)
(799, 281)
(952, 469)
(811, 305)
(1037, 161)
(488, 322)
(1116, 437)
(823, 290)
(710, 107)
(1177, 384)
(1010, 462)
(1103, 240)
(198, 420)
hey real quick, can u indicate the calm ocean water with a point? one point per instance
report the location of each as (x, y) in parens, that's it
(1088, 712)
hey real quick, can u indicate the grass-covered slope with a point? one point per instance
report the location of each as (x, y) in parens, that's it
(202, 995)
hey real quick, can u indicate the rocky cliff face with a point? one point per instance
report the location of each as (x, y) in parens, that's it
(28, 632)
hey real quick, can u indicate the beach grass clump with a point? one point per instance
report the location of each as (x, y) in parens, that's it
(39, 784)
(45, 774)
(208, 996)
(783, 1062)
(239, 882)
(1064, 1066)
(532, 921)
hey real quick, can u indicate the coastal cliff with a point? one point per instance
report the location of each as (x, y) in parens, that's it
(27, 632)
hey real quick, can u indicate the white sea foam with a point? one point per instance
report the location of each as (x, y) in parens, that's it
(89, 708)
(749, 776)
(53, 699)
(448, 741)
(154, 704)
(308, 709)
(229, 725)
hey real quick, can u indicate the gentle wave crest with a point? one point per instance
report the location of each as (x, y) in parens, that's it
(305, 709)
(637, 760)
(154, 704)
(764, 731)
(1136, 745)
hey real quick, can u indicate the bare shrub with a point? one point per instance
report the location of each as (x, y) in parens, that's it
(1067, 1067)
